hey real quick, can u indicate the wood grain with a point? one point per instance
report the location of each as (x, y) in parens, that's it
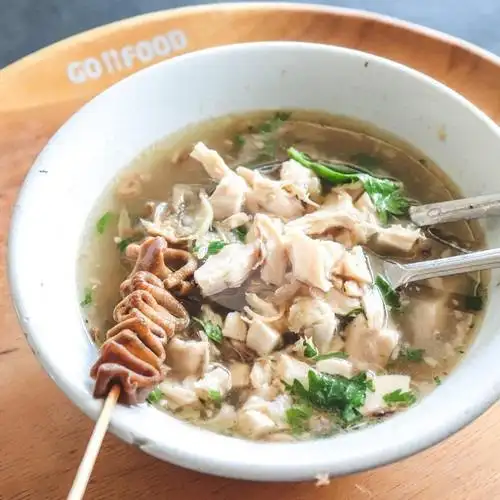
(42, 435)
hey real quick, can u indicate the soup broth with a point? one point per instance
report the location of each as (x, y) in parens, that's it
(317, 347)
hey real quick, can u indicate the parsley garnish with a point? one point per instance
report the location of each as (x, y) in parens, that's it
(336, 354)
(213, 332)
(215, 247)
(239, 141)
(385, 194)
(87, 298)
(297, 417)
(389, 295)
(437, 380)
(124, 243)
(398, 397)
(103, 222)
(154, 396)
(311, 352)
(274, 123)
(241, 233)
(215, 396)
(412, 354)
(334, 393)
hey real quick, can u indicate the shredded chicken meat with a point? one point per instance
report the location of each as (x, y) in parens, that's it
(312, 345)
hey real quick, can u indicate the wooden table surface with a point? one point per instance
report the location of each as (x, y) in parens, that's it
(42, 434)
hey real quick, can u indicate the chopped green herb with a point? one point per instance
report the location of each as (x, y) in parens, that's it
(389, 295)
(215, 247)
(87, 298)
(124, 243)
(329, 355)
(213, 332)
(334, 393)
(398, 397)
(437, 380)
(274, 123)
(297, 417)
(412, 354)
(310, 350)
(239, 140)
(103, 222)
(155, 395)
(215, 396)
(241, 233)
(461, 351)
(474, 302)
(385, 194)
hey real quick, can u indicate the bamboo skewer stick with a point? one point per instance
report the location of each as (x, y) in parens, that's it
(94, 445)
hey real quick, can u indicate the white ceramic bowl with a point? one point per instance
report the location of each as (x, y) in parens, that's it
(107, 133)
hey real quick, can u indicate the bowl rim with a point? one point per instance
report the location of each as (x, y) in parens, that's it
(457, 416)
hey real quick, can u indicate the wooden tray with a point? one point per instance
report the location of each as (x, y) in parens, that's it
(42, 435)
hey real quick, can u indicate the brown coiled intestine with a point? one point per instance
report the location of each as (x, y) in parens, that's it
(147, 316)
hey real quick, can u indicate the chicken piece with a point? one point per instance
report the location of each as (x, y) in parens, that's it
(229, 195)
(275, 408)
(337, 212)
(212, 161)
(287, 292)
(234, 221)
(187, 357)
(425, 319)
(260, 306)
(288, 369)
(367, 209)
(234, 327)
(383, 384)
(227, 269)
(218, 379)
(353, 190)
(255, 424)
(261, 374)
(315, 319)
(374, 308)
(313, 260)
(340, 303)
(269, 196)
(269, 232)
(369, 348)
(300, 181)
(352, 289)
(398, 238)
(335, 366)
(240, 375)
(178, 394)
(262, 337)
(354, 266)
(224, 421)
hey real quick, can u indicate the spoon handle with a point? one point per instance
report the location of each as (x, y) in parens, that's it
(401, 274)
(449, 211)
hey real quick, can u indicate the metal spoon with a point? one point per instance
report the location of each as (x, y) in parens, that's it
(398, 274)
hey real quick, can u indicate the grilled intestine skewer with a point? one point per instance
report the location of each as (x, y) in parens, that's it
(131, 360)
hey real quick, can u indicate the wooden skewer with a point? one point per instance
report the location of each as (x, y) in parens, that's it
(87, 464)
